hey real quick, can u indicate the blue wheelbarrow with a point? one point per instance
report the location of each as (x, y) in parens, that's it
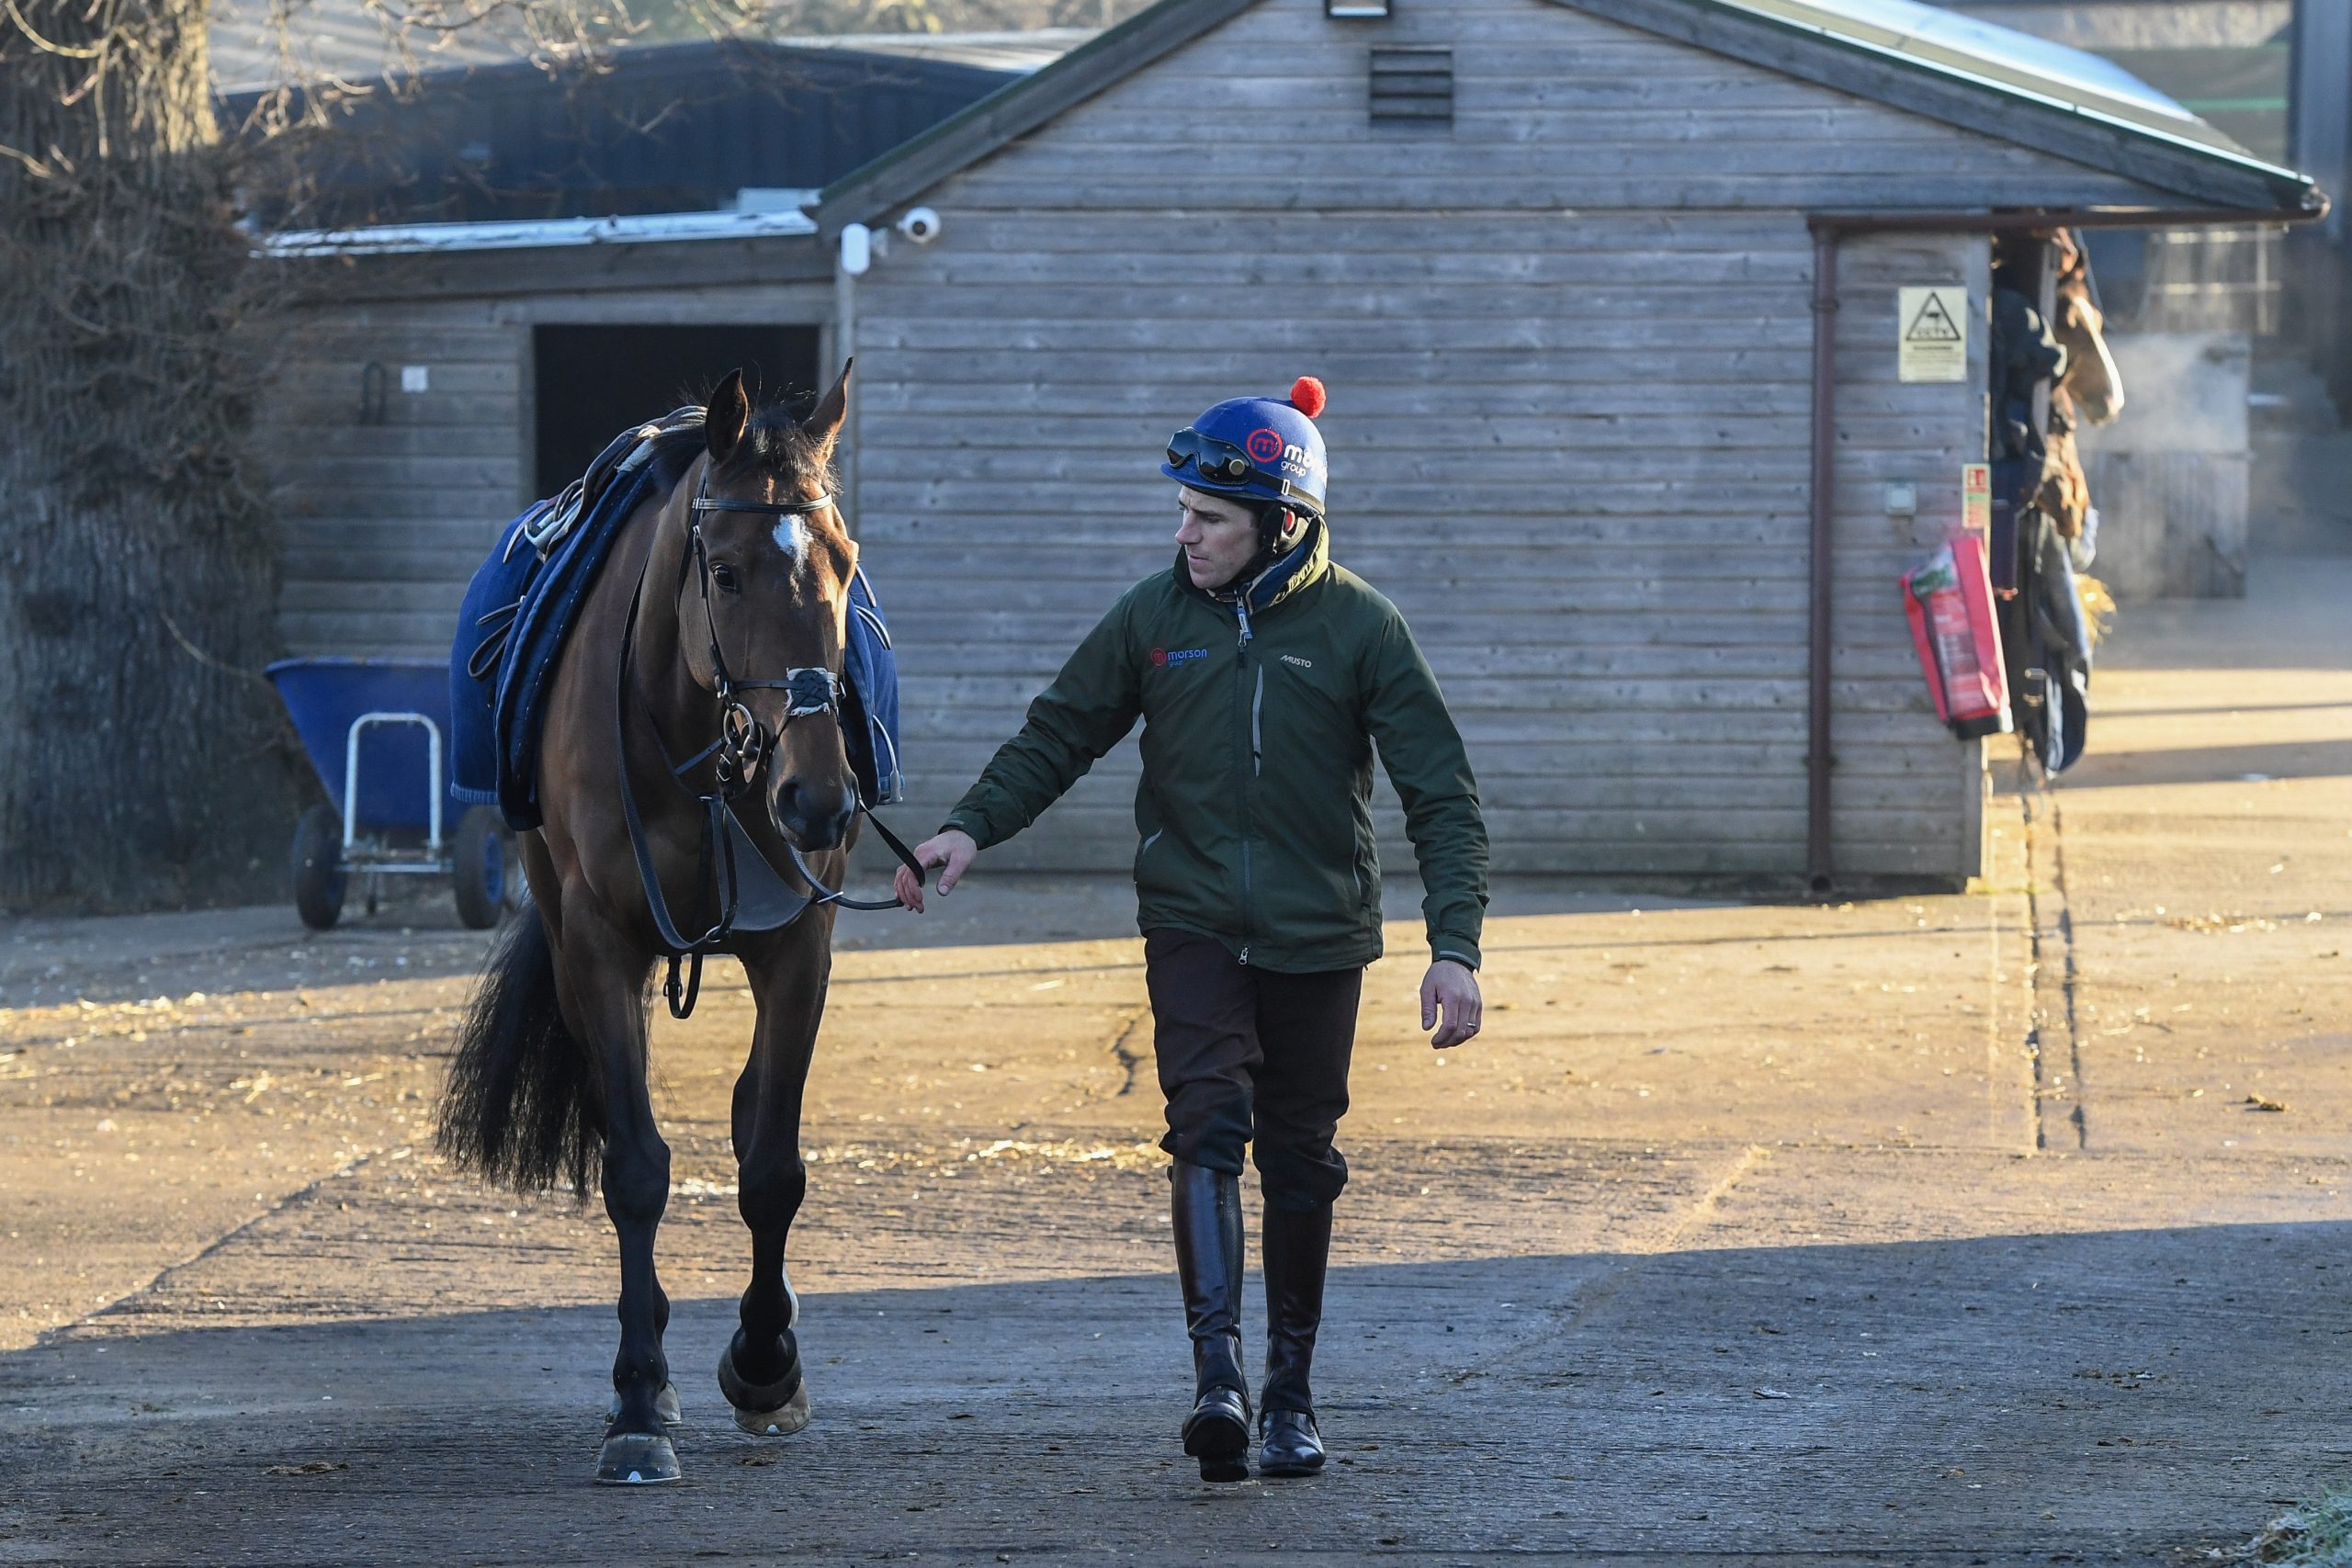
(377, 731)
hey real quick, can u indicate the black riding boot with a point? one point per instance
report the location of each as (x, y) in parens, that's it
(1206, 1206)
(1298, 1249)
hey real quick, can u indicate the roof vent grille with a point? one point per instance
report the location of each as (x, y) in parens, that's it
(1412, 87)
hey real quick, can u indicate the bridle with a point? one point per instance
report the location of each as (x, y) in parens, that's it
(744, 744)
(744, 741)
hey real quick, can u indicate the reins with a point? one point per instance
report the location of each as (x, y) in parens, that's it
(744, 743)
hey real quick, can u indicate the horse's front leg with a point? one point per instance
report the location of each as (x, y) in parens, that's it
(603, 974)
(759, 1373)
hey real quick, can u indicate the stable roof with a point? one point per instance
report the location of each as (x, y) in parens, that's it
(1012, 50)
(716, 126)
(2048, 71)
(257, 45)
(1974, 74)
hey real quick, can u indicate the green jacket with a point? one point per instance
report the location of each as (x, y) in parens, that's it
(1253, 818)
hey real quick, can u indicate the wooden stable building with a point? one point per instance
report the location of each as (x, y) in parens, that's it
(1561, 264)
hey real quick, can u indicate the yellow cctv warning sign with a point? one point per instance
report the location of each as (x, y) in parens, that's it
(1932, 341)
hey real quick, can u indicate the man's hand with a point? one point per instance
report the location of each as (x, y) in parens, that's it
(1448, 986)
(952, 849)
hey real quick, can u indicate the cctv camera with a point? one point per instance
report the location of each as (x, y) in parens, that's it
(920, 225)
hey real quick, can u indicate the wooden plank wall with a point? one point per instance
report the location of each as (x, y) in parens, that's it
(383, 524)
(1906, 797)
(1567, 348)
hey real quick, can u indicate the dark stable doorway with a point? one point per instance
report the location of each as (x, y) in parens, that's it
(594, 382)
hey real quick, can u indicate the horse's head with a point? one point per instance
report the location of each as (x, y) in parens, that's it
(763, 600)
(2091, 378)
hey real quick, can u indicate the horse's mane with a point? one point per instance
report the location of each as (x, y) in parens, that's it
(775, 443)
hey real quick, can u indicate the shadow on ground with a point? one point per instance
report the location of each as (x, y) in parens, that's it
(2111, 1396)
(2211, 764)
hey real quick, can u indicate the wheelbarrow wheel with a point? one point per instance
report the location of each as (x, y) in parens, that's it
(482, 867)
(318, 867)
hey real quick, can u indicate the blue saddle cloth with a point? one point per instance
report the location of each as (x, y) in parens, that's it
(497, 713)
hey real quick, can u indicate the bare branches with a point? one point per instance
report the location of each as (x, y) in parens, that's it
(206, 659)
(50, 46)
(142, 565)
(38, 168)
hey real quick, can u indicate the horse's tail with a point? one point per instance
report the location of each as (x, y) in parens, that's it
(525, 1103)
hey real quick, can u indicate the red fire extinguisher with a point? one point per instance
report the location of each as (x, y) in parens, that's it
(1949, 599)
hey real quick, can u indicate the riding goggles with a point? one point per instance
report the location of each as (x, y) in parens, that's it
(1219, 462)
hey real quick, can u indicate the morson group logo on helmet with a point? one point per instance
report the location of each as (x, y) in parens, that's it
(1277, 437)
(1267, 449)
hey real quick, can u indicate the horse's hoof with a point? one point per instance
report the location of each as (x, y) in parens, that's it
(665, 1405)
(637, 1458)
(765, 1410)
(781, 1422)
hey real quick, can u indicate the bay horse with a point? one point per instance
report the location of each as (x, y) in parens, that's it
(2091, 380)
(714, 633)
(2089, 389)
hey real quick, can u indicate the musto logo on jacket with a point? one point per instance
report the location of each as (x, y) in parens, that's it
(1161, 658)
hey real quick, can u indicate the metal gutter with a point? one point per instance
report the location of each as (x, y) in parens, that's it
(1829, 230)
(548, 233)
(1818, 878)
(1844, 223)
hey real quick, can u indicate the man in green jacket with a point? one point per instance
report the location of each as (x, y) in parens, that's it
(1265, 676)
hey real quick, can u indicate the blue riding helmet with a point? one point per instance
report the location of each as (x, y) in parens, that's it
(1256, 449)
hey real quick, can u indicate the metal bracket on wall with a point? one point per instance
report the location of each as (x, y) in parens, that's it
(375, 393)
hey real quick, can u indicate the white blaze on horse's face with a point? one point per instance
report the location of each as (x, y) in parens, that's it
(792, 537)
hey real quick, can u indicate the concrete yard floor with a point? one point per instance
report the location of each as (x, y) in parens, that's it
(2003, 1227)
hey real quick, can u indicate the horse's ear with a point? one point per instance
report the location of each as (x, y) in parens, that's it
(824, 421)
(726, 418)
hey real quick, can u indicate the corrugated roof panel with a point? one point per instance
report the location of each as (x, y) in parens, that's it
(1023, 52)
(424, 239)
(1998, 54)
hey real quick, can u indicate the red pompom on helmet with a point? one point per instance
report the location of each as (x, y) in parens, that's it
(1306, 396)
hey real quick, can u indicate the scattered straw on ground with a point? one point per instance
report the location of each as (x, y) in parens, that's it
(2317, 1534)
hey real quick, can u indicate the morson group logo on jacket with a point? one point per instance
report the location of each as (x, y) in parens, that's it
(1162, 658)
